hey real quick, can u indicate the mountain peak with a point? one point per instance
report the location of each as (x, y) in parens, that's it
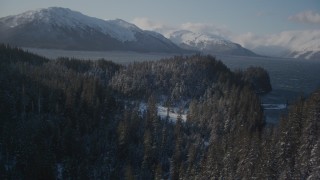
(189, 37)
(62, 28)
(43, 14)
(124, 24)
(207, 43)
(69, 19)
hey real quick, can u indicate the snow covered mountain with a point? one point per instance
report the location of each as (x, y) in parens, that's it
(62, 28)
(301, 44)
(310, 55)
(309, 50)
(211, 44)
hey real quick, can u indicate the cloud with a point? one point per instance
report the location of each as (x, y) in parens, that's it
(165, 29)
(289, 39)
(206, 28)
(147, 24)
(310, 17)
(271, 44)
(275, 44)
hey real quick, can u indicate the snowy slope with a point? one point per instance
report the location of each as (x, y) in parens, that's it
(63, 28)
(201, 41)
(162, 111)
(63, 17)
(309, 50)
(207, 43)
(291, 44)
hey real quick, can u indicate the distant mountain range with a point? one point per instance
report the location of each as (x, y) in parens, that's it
(211, 44)
(312, 55)
(62, 28)
(292, 44)
(303, 52)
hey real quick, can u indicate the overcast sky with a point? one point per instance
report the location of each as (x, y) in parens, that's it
(238, 20)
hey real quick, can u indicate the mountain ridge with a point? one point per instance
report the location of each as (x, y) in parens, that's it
(62, 28)
(290, 44)
(309, 50)
(207, 43)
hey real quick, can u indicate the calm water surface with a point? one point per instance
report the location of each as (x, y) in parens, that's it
(290, 78)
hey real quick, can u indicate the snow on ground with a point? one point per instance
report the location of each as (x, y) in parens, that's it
(173, 113)
(163, 112)
(198, 40)
(274, 106)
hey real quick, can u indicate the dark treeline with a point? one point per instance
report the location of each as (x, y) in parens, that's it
(181, 78)
(76, 119)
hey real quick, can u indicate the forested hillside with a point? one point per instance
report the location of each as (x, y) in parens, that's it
(81, 119)
(183, 78)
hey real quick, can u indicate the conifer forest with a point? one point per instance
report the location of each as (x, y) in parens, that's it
(95, 119)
